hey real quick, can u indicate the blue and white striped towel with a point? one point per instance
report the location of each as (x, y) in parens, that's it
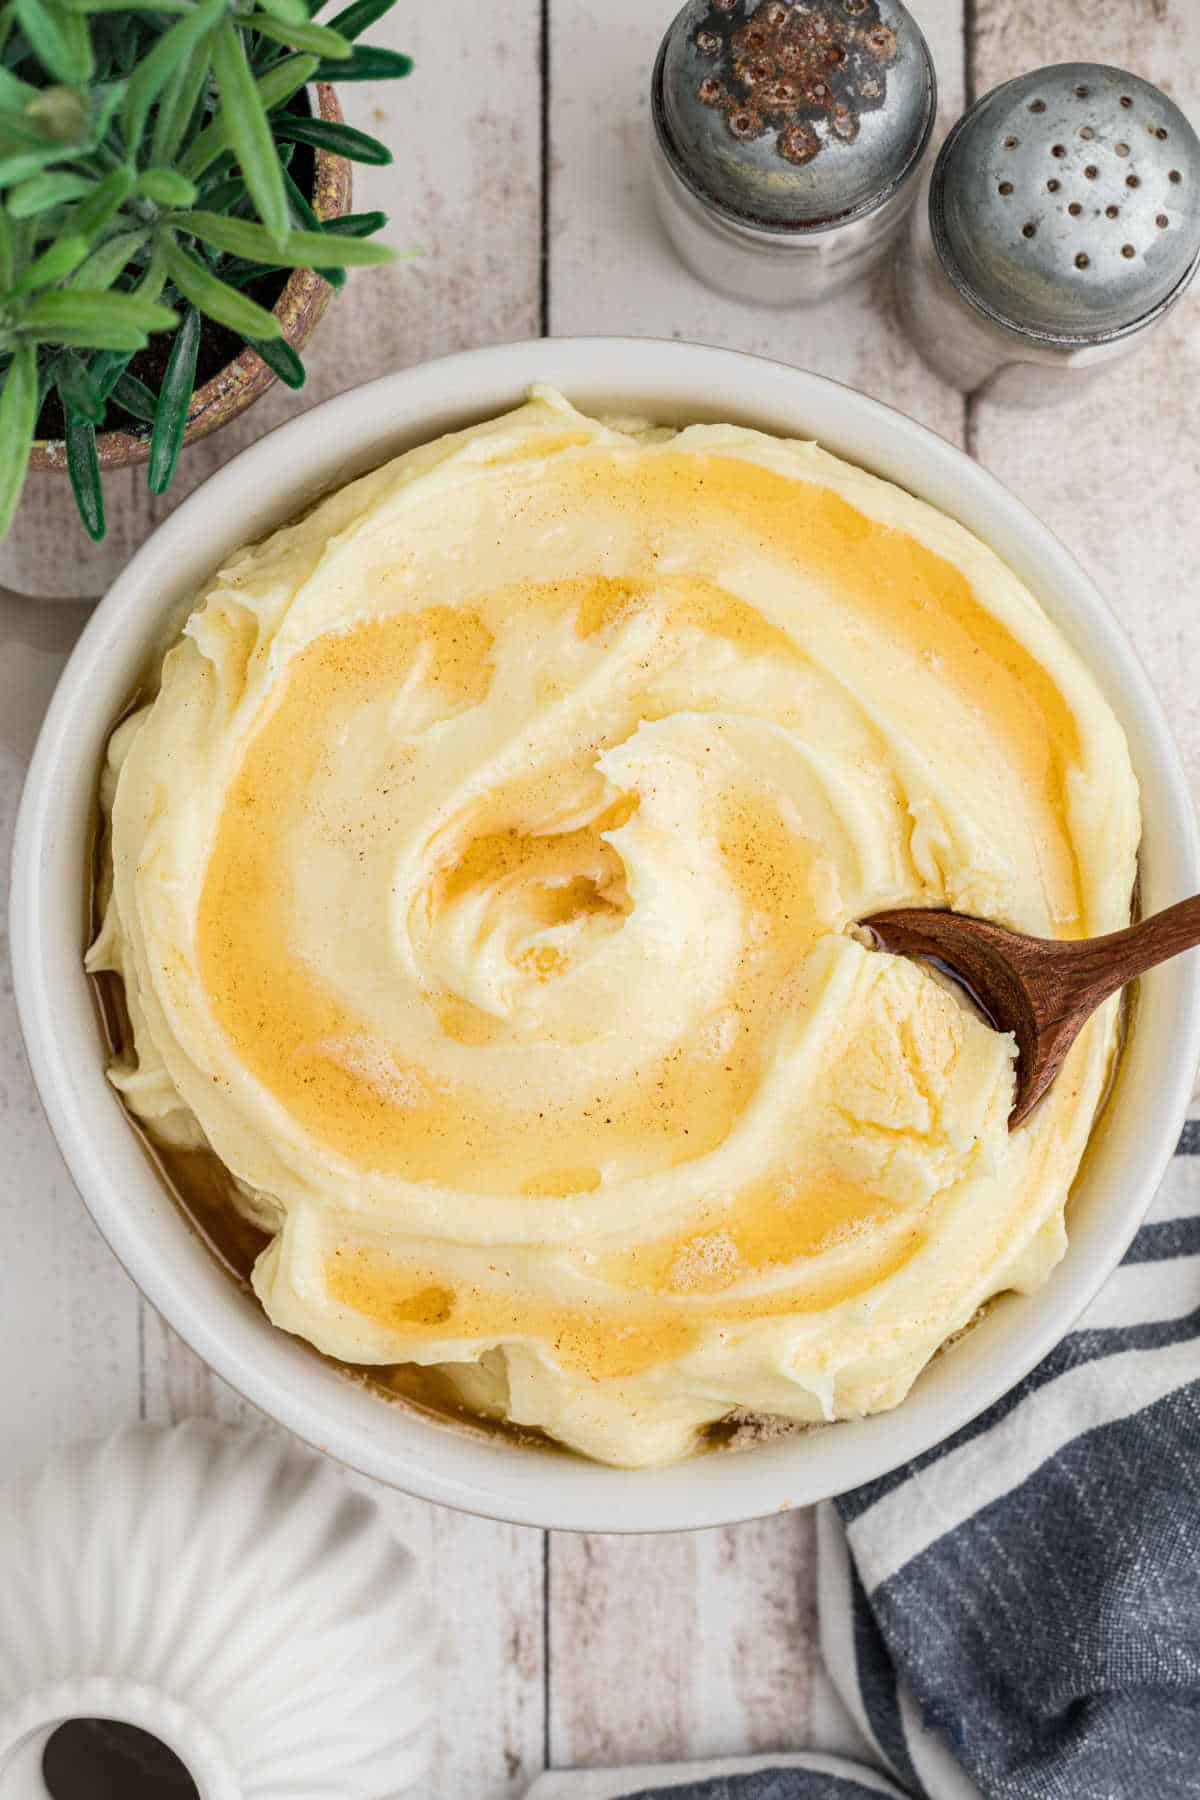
(1016, 1614)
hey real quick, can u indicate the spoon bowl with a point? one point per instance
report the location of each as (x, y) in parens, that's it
(1042, 990)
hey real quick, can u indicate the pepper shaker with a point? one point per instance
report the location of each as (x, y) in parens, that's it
(788, 135)
(1060, 223)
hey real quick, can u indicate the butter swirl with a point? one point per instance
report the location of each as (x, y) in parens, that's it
(484, 875)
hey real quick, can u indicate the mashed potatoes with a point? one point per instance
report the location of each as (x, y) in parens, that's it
(483, 881)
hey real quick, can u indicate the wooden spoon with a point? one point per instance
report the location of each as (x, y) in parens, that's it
(1043, 990)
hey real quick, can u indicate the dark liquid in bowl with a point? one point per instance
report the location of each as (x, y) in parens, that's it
(206, 1195)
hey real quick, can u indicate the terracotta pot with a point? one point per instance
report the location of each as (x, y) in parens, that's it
(236, 386)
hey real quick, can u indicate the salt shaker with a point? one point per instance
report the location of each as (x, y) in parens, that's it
(1060, 224)
(788, 135)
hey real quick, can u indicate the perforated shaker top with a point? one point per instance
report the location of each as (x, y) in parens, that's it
(1067, 202)
(794, 113)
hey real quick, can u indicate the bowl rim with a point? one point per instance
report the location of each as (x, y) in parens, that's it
(272, 480)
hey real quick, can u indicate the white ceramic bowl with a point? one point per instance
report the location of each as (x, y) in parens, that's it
(671, 383)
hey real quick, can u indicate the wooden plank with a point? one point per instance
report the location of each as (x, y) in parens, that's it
(686, 1645)
(1114, 471)
(704, 1643)
(177, 1385)
(68, 1315)
(485, 1584)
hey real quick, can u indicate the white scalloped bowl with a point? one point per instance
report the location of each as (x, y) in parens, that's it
(227, 1593)
(673, 383)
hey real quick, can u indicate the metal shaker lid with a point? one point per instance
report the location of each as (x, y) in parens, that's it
(794, 114)
(1066, 203)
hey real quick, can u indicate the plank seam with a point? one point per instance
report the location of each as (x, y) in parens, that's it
(970, 26)
(544, 251)
(546, 1746)
(143, 1408)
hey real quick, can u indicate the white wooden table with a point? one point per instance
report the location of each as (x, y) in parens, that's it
(521, 171)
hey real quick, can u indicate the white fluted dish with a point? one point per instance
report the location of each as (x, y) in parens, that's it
(226, 1592)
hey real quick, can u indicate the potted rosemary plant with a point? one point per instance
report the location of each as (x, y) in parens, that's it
(174, 212)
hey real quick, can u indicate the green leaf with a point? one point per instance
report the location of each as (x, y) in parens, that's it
(112, 336)
(45, 382)
(124, 37)
(237, 237)
(367, 63)
(315, 251)
(249, 130)
(106, 198)
(14, 93)
(175, 395)
(83, 466)
(115, 318)
(215, 297)
(59, 39)
(293, 12)
(340, 140)
(135, 397)
(280, 358)
(364, 224)
(22, 164)
(299, 249)
(360, 17)
(77, 390)
(51, 266)
(317, 38)
(107, 6)
(178, 104)
(6, 251)
(22, 128)
(156, 68)
(155, 279)
(306, 219)
(106, 369)
(23, 242)
(223, 196)
(222, 167)
(104, 101)
(273, 89)
(41, 192)
(105, 264)
(303, 216)
(18, 419)
(238, 274)
(167, 188)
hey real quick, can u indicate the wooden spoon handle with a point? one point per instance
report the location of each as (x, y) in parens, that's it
(1094, 968)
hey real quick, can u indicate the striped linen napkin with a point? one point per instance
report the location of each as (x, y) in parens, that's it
(1016, 1614)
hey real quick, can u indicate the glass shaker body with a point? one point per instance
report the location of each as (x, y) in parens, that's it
(975, 352)
(787, 141)
(1058, 226)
